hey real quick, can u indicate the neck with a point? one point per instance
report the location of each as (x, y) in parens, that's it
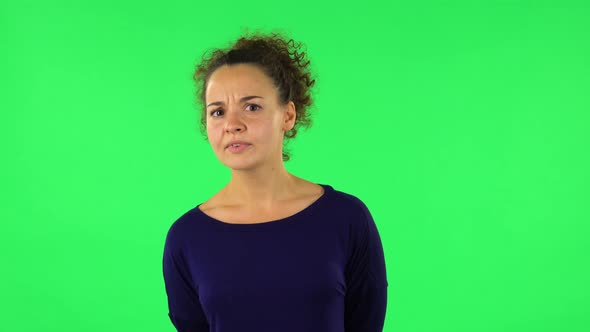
(260, 188)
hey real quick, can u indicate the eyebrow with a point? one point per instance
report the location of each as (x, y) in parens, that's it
(243, 99)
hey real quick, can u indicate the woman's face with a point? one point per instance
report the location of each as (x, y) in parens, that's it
(260, 121)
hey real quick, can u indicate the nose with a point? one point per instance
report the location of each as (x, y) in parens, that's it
(234, 122)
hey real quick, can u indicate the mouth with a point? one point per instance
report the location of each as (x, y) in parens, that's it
(235, 145)
(238, 147)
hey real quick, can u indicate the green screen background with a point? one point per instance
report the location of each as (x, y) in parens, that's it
(463, 126)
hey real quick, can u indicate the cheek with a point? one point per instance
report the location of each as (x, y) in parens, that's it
(213, 134)
(213, 128)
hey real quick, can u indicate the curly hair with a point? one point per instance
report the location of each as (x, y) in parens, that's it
(278, 58)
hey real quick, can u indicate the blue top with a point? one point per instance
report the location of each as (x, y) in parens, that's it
(319, 270)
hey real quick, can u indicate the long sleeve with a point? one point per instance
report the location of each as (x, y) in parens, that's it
(366, 295)
(185, 311)
(319, 270)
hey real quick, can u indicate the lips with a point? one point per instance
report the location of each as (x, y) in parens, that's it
(237, 142)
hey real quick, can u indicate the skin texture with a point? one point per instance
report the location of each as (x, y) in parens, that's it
(260, 183)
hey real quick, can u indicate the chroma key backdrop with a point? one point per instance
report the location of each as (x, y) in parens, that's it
(463, 125)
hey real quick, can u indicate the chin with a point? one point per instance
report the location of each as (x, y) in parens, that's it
(240, 166)
(238, 163)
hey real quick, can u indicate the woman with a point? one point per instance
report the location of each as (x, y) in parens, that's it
(270, 251)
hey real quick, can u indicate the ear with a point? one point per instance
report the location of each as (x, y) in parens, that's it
(290, 116)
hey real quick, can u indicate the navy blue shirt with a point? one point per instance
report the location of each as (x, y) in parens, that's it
(319, 270)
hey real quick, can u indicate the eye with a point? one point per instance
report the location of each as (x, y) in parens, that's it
(247, 105)
(258, 107)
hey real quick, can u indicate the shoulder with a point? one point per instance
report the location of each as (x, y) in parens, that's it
(350, 203)
(180, 228)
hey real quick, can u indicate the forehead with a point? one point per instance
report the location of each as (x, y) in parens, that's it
(240, 79)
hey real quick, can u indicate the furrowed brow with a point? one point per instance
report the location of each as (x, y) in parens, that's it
(243, 99)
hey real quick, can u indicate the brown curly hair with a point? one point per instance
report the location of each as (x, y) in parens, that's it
(278, 57)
